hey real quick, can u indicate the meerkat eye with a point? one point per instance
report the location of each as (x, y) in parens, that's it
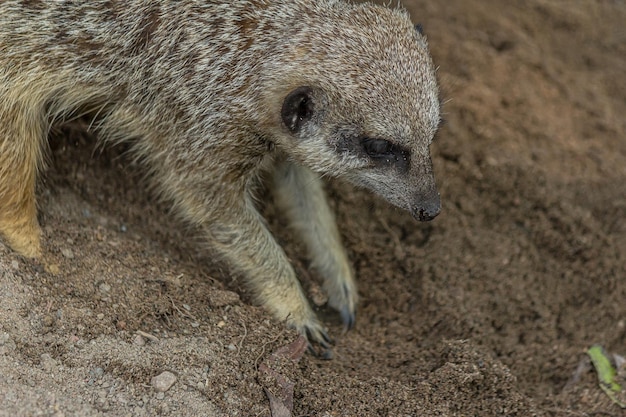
(297, 108)
(377, 148)
(385, 153)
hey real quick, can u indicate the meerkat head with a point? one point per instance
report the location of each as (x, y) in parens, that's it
(357, 98)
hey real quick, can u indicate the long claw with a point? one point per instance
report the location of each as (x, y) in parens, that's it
(348, 318)
(318, 336)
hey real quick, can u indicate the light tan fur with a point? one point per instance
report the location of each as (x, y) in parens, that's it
(212, 94)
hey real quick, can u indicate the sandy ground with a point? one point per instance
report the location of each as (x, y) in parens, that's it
(487, 311)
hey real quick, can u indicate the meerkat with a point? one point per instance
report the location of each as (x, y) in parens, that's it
(212, 94)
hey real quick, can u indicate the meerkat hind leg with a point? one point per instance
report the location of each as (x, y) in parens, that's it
(299, 193)
(20, 153)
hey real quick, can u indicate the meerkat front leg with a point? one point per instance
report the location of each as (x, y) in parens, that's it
(244, 241)
(298, 192)
(20, 155)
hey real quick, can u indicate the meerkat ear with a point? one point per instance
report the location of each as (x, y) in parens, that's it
(297, 108)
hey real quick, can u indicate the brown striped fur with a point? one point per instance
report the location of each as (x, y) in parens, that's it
(197, 89)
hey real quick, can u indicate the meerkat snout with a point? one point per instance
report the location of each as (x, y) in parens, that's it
(426, 201)
(428, 208)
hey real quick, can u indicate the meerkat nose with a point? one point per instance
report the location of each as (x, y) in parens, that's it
(428, 208)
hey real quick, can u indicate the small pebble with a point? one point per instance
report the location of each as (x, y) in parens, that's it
(139, 341)
(163, 381)
(15, 265)
(47, 320)
(318, 296)
(100, 316)
(123, 228)
(48, 363)
(160, 396)
(104, 287)
(66, 252)
(231, 347)
(53, 269)
(121, 398)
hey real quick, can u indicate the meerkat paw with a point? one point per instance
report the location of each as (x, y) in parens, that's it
(344, 300)
(22, 237)
(18, 209)
(342, 291)
(288, 304)
(310, 327)
(316, 334)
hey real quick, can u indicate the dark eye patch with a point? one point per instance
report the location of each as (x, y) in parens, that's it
(384, 152)
(377, 148)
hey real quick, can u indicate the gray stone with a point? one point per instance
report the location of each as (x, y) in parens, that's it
(163, 381)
